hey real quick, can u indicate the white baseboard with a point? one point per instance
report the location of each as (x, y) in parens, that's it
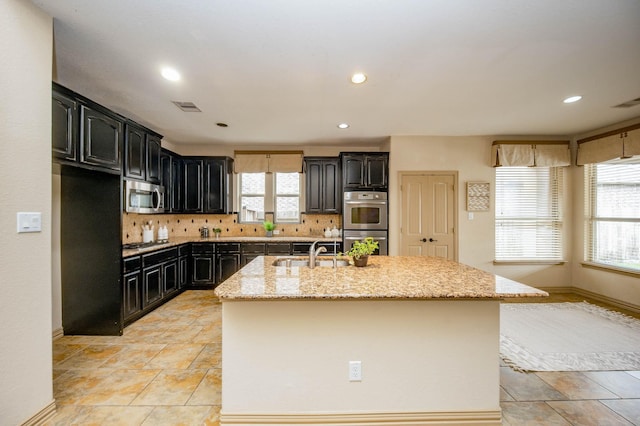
(42, 416)
(466, 418)
(58, 333)
(595, 296)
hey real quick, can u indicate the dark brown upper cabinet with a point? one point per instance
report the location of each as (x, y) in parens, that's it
(64, 126)
(207, 184)
(142, 154)
(84, 133)
(153, 149)
(171, 178)
(135, 151)
(323, 185)
(101, 138)
(365, 171)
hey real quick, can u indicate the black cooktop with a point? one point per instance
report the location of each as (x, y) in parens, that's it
(137, 245)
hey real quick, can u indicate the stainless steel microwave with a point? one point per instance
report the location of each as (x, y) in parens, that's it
(143, 197)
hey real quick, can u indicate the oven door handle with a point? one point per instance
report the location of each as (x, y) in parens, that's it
(366, 203)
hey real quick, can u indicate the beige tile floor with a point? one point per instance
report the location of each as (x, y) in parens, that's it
(165, 370)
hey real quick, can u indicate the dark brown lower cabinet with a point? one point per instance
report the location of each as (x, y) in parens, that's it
(203, 265)
(151, 285)
(131, 287)
(170, 277)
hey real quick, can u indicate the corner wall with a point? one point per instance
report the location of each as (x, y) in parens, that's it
(26, 36)
(470, 157)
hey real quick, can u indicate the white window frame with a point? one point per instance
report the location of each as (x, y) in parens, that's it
(601, 255)
(529, 236)
(270, 200)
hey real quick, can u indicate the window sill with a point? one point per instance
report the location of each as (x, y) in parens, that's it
(529, 262)
(609, 268)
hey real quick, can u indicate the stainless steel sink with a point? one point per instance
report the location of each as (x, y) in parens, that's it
(300, 261)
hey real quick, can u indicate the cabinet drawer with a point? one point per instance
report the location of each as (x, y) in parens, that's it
(228, 247)
(184, 250)
(300, 248)
(159, 257)
(259, 248)
(203, 248)
(278, 248)
(131, 264)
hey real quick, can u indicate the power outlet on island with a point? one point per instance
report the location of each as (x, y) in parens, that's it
(355, 371)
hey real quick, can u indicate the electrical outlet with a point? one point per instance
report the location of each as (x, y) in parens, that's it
(355, 371)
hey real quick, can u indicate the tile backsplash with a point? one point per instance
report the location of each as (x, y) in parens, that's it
(188, 225)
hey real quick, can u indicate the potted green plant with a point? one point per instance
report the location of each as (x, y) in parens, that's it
(217, 231)
(360, 251)
(269, 227)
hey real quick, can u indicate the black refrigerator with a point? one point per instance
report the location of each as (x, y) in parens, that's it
(91, 252)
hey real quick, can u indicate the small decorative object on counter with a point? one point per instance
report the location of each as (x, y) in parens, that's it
(217, 232)
(327, 232)
(163, 234)
(335, 233)
(204, 232)
(269, 227)
(361, 250)
(147, 232)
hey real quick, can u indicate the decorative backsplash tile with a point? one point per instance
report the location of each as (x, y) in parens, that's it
(189, 225)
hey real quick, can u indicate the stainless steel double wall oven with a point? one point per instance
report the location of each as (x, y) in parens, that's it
(365, 214)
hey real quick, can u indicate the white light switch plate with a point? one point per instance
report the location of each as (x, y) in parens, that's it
(29, 222)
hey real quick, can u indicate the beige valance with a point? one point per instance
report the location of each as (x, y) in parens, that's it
(268, 161)
(530, 154)
(623, 143)
(599, 150)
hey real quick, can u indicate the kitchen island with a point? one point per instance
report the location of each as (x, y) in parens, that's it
(425, 331)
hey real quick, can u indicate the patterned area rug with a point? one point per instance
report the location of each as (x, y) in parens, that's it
(568, 337)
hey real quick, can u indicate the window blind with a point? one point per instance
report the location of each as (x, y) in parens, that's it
(612, 212)
(528, 214)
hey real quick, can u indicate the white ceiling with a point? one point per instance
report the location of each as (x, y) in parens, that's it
(278, 71)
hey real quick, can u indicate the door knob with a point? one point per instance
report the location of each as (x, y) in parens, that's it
(431, 240)
(424, 240)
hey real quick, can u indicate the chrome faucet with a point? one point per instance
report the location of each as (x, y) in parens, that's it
(313, 253)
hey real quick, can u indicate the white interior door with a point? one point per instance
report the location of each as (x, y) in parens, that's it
(428, 215)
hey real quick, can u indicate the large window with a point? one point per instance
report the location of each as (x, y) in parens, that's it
(528, 214)
(263, 193)
(613, 214)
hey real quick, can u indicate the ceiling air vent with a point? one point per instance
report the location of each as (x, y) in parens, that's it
(187, 106)
(628, 104)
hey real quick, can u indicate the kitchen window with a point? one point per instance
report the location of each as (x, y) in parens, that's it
(265, 193)
(528, 222)
(612, 212)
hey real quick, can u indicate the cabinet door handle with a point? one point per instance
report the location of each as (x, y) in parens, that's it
(424, 240)
(431, 240)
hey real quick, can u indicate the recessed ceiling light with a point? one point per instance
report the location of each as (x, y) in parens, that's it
(343, 126)
(572, 99)
(170, 74)
(358, 78)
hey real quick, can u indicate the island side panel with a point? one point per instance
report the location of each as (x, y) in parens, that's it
(424, 356)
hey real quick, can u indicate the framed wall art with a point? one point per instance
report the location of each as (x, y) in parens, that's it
(478, 196)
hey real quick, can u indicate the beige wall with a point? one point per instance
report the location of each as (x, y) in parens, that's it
(25, 172)
(469, 156)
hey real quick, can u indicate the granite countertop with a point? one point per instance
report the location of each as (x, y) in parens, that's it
(385, 277)
(184, 240)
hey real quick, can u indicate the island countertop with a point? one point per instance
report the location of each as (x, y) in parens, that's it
(385, 277)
